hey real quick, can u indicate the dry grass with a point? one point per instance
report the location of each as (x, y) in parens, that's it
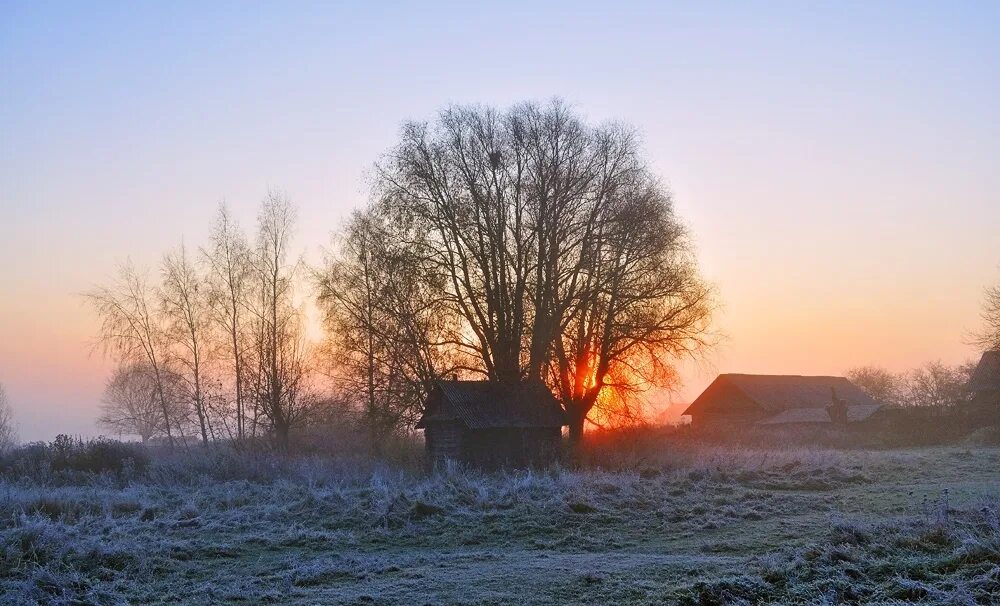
(691, 523)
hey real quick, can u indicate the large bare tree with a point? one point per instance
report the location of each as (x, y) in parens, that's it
(461, 182)
(132, 330)
(555, 245)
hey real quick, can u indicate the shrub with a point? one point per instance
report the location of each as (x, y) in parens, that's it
(67, 457)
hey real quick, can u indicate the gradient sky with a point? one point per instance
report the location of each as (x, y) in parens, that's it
(836, 162)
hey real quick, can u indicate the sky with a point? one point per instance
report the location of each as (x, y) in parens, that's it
(837, 163)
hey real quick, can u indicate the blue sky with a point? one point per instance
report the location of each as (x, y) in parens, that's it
(837, 162)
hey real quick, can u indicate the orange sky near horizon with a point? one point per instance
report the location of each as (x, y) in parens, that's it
(836, 165)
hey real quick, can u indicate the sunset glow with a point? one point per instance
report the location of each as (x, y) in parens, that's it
(836, 166)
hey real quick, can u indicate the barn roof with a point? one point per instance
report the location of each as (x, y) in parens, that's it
(491, 404)
(986, 377)
(859, 412)
(780, 393)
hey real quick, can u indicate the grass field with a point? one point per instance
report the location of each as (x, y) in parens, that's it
(701, 525)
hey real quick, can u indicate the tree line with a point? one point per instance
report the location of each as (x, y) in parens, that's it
(215, 347)
(933, 384)
(508, 245)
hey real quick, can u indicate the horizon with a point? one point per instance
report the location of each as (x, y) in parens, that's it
(835, 165)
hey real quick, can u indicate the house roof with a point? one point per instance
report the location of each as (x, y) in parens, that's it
(776, 394)
(855, 413)
(491, 404)
(986, 377)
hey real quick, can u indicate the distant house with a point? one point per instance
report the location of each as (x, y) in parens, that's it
(490, 424)
(985, 388)
(736, 401)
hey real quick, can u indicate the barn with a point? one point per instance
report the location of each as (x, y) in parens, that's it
(741, 401)
(984, 408)
(491, 424)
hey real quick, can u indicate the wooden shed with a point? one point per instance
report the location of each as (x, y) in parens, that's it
(490, 424)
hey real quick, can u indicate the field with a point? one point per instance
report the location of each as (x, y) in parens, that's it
(695, 525)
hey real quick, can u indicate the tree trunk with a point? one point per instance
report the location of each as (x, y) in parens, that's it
(240, 412)
(281, 434)
(202, 425)
(576, 413)
(576, 422)
(163, 404)
(199, 402)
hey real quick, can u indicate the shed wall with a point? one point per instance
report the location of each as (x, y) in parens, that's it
(444, 440)
(492, 448)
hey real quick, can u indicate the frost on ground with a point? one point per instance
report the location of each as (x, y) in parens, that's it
(704, 525)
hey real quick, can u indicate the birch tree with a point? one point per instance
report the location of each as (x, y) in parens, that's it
(185, 308)
(228, 257)
(279, 366)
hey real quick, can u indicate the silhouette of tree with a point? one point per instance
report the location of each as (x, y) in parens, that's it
(988, 338)
(555, 246)
(388, 332)
(641, 305)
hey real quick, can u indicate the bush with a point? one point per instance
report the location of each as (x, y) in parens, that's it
(67, 457)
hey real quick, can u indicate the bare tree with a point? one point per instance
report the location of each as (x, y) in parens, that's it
(882, 385)
(527, 215)
(229, 285)
(387, 329)
(641, 305)
(131, 402)
(186, 313)
(131, 329)
(936, 385)
(500, 203)
(988, 338)
(278, 370)
(8, 432)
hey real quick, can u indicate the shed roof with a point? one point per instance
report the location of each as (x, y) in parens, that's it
(779, 393)
(491, 404)
(986, 377)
